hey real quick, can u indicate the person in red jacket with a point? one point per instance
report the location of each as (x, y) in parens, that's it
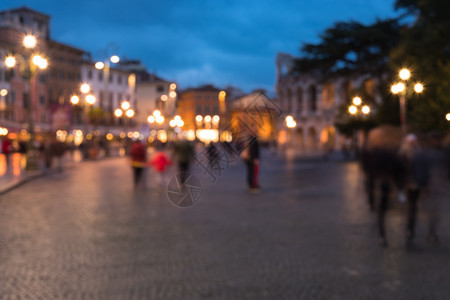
(6, 148)
(138, 157)
(160, 162)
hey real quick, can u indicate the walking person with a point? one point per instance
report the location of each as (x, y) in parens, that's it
(183, 154)
(160, 162)
(417, 171)
(138, 157)
(6, 149)
(251, 154)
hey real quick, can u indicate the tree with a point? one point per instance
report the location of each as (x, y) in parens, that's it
(351, 48)
(425, 49)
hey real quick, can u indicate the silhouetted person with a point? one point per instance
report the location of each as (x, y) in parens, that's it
(138, 157)
(183, 154)
(250, 154)
(416, 166)
(384, 172)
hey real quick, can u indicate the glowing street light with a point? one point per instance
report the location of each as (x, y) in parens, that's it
(401, 88)
(357, 101)
(29, 66)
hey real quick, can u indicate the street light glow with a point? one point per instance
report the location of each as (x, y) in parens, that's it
(418, 87)
(404, 74)
(365, 109)
(289, 119)
(99, 65)
(151, 119)
(352, 109)
(447, 117)
(129, 113)
(115, 59)
(74, 99)
(198, 118)
(29, 41)
(40, 62)
(85, 88)
(3, 92)
(173, 86)
(10, 61)
(125, 105)
(118, 112)
(357, 101)
(172, 94)
(90, 99)
(156, 113)
(163, 97)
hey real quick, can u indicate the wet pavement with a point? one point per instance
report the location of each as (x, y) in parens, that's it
(87, 234)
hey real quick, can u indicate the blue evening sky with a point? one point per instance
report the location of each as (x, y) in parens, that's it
(194, 42)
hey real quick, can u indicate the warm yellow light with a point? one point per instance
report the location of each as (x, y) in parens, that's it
(29, 41)
(99, 65)
(401, 87)
(180, 123)
(10, 61)
(156, 113)
(125, 105)
(208, 118)
(3, 92)
(43, 64)
(198, 118)
(129, 113)
(109, 136)
(222, 95)
(151, 119)
(177, 118)
(74, 99)
(164, 98)
(291, 124)
(173, 86)
(90, 99)
(289, 119)
(404, 74)
(78, 133)
(216, 119)
(447, 116)
(118, 112)
(418, 88)
(357, 101)
(365, 109)
(38, 61)
(159, 119)
(115, 59)
(172, 94)
(85, 88)
(173, 123)
(352, 109)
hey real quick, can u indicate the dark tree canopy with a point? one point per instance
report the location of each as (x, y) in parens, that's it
(350, 47)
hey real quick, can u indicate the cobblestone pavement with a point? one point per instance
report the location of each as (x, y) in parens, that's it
(86, 234)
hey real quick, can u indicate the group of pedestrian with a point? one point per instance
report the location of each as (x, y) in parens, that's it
(182, 155)
(415, 171)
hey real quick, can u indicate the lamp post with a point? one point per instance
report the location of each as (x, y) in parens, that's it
(29, 65)
(401, 88)
(125, 109)
(89, 100)
(106, 66)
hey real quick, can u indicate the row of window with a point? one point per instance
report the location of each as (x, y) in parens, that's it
(112, 77)
(207, 110)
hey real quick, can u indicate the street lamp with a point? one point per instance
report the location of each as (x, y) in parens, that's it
(401, 88)
(89, 100)
(29, 65)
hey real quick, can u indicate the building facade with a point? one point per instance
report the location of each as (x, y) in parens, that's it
(314, 105)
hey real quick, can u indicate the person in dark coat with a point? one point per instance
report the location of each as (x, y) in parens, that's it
(251, 154)
(138, 157)
(417, 171)
(384, 172)
(183, 154)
